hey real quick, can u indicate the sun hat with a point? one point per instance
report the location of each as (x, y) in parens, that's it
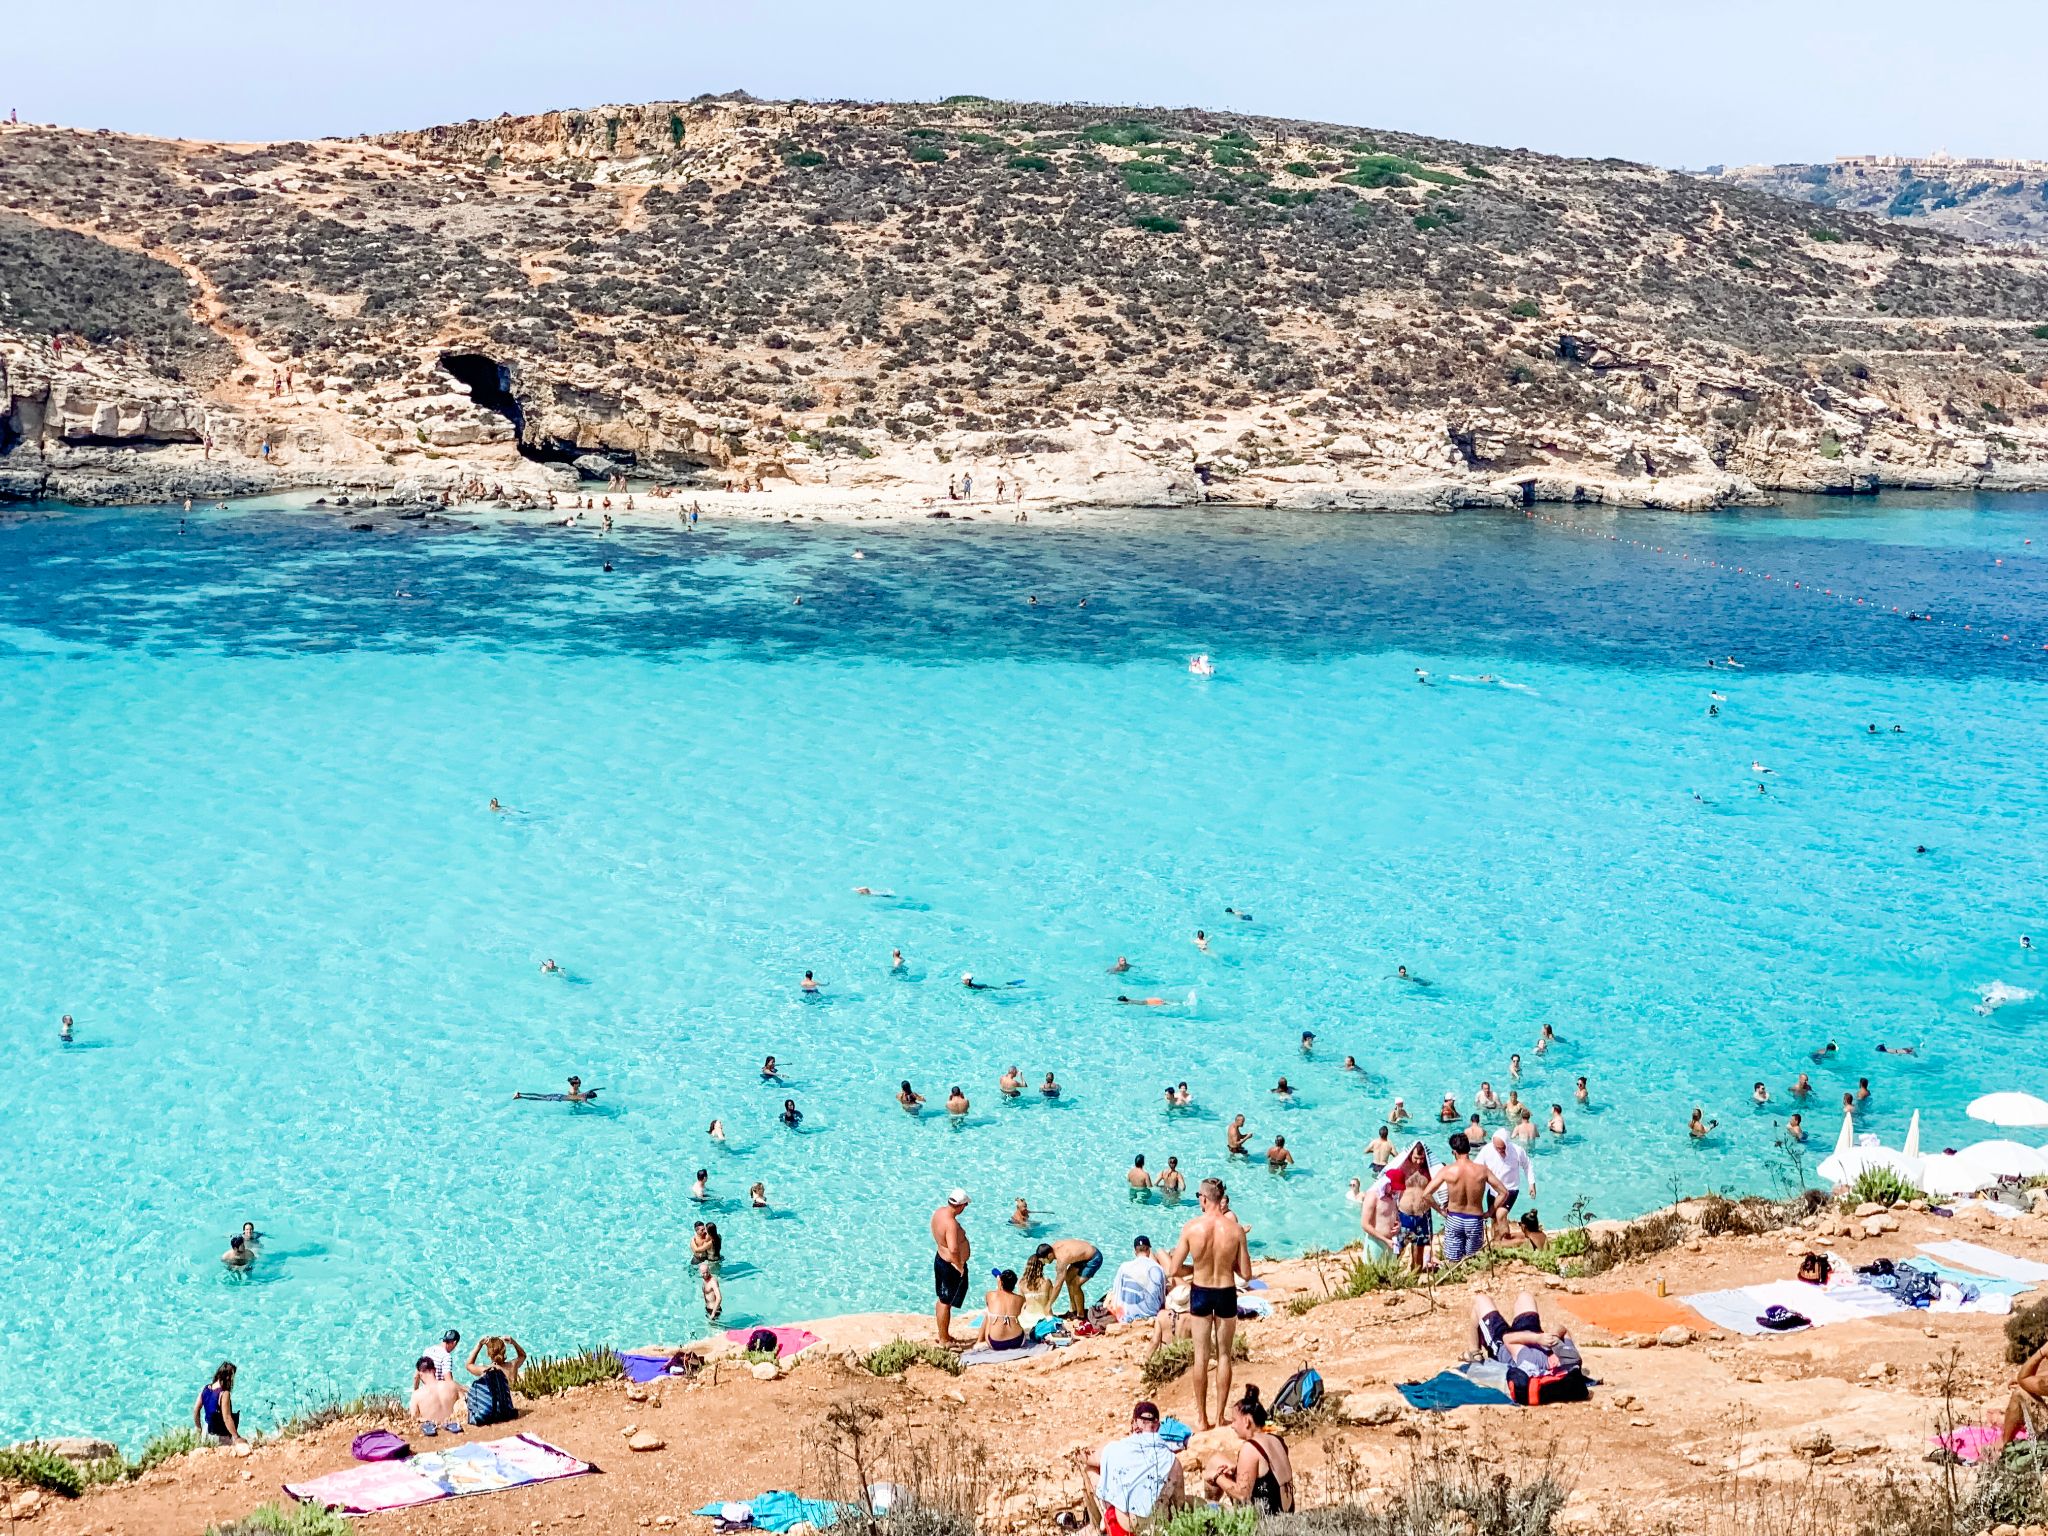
(957, 1197)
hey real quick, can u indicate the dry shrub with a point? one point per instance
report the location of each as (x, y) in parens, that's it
(943, 1481)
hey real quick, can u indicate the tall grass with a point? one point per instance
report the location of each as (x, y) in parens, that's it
(897, 1356)
(285, 1520)
(545, 1375)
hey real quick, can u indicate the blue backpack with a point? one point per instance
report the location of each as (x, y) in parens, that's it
(1299, 1393)
(490, 1398)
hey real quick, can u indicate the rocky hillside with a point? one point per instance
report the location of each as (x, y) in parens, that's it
(1113, 306)
(1996, 201)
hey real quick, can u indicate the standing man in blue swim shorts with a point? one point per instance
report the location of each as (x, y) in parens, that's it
(949, 1266)
(1465, 1185)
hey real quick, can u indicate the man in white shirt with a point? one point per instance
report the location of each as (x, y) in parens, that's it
(1138, 1290)
(443, 1355)
(1134, 1476)
(1511, 1165)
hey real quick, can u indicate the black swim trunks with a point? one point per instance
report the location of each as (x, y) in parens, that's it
(950, 1283)
(1212, 1301)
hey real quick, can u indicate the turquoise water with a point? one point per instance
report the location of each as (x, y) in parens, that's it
(246, 772)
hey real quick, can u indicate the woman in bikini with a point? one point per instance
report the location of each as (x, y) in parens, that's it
(1262, 1474)
(1002, 1311)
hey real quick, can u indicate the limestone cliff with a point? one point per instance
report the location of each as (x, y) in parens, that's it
(1105, 306)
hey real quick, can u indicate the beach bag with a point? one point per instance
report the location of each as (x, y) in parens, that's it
(1539, 1391)
(490, 1398)
(378, 1445)
(761, 1342)
(1813, 1269)
(1300, 1393)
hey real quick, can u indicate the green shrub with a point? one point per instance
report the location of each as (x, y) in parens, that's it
(1526, 309)
(1226, 154)
(927, 154)
(1824, 235)
(802, 158)
(285, 1520)
(1873, 1184)
(1428, 221)
(40, 1467)
(2026, 1331)
(896, 1357)
(1212, 1520)
(1830, 447)
(161, 1447)
(2040, 333)
(1300, 168)
(1152, 180)
(1478, 172)
(545, 1375)
(1158, 224)
(1125, 135)
(368, 1405)
(1172, 1359)
(2009, 1489)
(1029, 163)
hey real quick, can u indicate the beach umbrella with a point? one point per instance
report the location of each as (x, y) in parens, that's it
(1847, 1166)
(2010, 1109)
(1912, 1148)
(1847, 1140)
(2004, 1159)
(1949, 1174)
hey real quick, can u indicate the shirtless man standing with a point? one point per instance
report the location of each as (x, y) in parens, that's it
(949, 1266)
(1212, 1248)
(1234, 1138)
(1465, 1185)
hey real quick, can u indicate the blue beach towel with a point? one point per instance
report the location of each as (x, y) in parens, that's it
(1446, 1390)
(779, 1511)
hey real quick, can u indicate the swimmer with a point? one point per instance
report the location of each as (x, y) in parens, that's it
(1201, 941)
(1717, 696)
(1757, 767)
(895, 959)
(967, 980)
(1282, 1089)
(1474, 1131)
(1700, 1125)
(1422, 677)
(791, 1115)
(577, 1094)
(810, 982)
(717, 1130)
(1050, 1088)
(497, 807)
(1919, 847)
(2025, 942)
(1513, 1107)
(769, 1072)
(250, 1235)
(1486, 1098)
(758, 1197)
(1795, 1128)
(1278, 1158)
(700, 1184)
(1448, 1113)
(1173, 1181)
(64, 1029)
(1557, 1119)
(1381, 1150)
(1730, 661)
(1898, 1050)
(1171, 1102)
(1401, 974)
(862, 890)
(1011, 1083)
(1351, 1064)
(549, 968)
(1234, 1137)
(1759, 1094)
(1183, 1096)
(1020, 1215)
(1801, 1086)
(1136, 1176)
(956, 1102)
(1713, 709)
(1581, 1093)
(1525, 1127)
(1515, 1066)
(1141, 1002)
(714, 1295)
(1354, 1192)
(1120, 967)
(238, 1255)
(909, 1098)
(1242, 917)
(1308, 1042)
(1399, 1115)
(1546, 1040)
(1826, 1051)
(1848, 1103)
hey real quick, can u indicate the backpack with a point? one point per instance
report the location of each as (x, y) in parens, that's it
(1567, 1385)
(490, 1398)
(1300, 1393)
(761, 1342)
(378, 1445)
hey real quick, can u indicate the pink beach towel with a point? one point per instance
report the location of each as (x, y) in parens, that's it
(787, 1340)
(1972, 1441)
(473, 1466)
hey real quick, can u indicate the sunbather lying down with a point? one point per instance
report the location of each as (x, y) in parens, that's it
(1525, 1347)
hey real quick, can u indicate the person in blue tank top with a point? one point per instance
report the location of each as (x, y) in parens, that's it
(213, 1413)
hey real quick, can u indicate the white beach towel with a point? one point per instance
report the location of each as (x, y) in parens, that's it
(1988, 1260)
(1732, 1310)
(1739, 1309)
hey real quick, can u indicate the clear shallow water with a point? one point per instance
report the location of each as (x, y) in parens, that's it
(245, 782)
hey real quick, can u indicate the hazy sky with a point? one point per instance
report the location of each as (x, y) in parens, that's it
(1675, 83)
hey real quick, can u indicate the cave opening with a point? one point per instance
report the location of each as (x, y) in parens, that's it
(490, 386)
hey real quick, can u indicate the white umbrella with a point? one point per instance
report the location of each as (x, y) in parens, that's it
(1847, 1140)
(1913, 1136)
(1948, 1174)
(2010, 1109)
(2004, 1159)
(1846, 1167)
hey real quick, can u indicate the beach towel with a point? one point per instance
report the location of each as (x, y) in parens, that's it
(645, 1365)
(1972, 1441)
(778, 1511)
(1739, 1309)
(1987, 1285)
(1976, 1256)
(1734, 1310)
(1631, 1311)
(1447, 1390)
(477, 1466)
(987, 1356)
(788, 1341)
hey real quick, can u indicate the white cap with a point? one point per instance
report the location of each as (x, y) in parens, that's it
(958, 1197)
